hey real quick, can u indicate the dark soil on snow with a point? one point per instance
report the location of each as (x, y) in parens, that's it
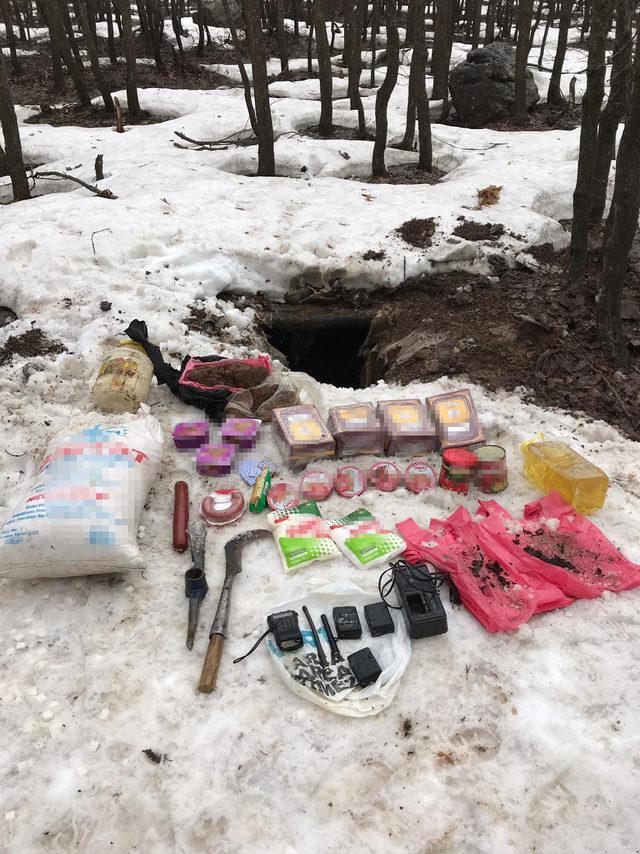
(471, 230)
(87, 117)
(408, 173)
(32, 343)
(542, 117)
(418, 232)
(337, 132)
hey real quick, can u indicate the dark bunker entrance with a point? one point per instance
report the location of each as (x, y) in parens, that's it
(327, 345)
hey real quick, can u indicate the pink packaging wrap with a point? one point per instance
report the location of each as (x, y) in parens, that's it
(259, 362)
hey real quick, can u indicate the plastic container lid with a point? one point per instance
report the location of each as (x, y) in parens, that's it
(350, 481)
(283, 496)
(420, 477)
(223, 506)
(384, 476)
(316, 486)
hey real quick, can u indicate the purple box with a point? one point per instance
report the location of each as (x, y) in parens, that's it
(242, 432)
(191, 434)
(215, 460)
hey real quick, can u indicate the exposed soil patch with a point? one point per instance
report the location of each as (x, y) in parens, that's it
(7, 316)
(32, 343)
(408, 173)
(471, 230)
(87, 117)
(515, 329)
(373, 255)
(34, 83)
(337, 132)
(543, 117)
(201, 320)
(418, 232)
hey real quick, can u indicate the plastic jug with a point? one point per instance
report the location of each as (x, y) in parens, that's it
(124, 379)
(554, 465)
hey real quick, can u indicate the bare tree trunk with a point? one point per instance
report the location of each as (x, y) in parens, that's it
(525, 12)
(325, 125)
(246, 83)
(616, 107)
(111, 45)
(490, 28)
(375, 9)
(414, 71)
(596, 67)
(129, 50)
(353, 17)
(92, 52)
(155, 23)
(200, 7)
(554, 94)
(253, 23)
(625, 209)
(281, 35)
(551, 14)
(59, 41)
(441, 56)
(176, 25)
(13, 147)
(425, 160)
(63, 6)
(477, 20)
(10, 35)
(59, 80)
(378, 166)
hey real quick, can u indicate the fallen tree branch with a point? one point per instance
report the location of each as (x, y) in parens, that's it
(104, 194)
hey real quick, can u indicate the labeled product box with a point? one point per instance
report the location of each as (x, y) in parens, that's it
(408, 427)
(356, 429)
(456, 420)
(301, 435)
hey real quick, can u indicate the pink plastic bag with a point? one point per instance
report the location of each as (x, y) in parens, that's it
(486, 575)
(259, 362)
(554, 542)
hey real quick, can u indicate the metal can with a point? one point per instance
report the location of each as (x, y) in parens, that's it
(457, 470)
(491, 469)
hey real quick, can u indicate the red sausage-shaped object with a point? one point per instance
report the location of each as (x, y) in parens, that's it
(181, 516)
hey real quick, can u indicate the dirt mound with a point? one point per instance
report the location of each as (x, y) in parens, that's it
(418, 232)
(32, 343)
(471, 230)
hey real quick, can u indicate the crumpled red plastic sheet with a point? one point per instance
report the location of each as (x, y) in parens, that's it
(486, 575)
(553, 541)
(506, 570)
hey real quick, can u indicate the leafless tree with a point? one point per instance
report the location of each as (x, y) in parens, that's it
(625, 209)
(525, 13)
(264, 124)
(129, 50)
(601, 12)
(554, 93)
(12, 154)
(379, 168)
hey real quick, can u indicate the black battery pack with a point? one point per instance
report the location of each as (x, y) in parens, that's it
(422, 609)
(347, 622)
(364, 666)
(378, 619)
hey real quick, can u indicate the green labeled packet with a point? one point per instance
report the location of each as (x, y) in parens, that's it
(302, 536)
(362, 539)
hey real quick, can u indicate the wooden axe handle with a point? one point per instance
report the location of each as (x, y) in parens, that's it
(209, 675)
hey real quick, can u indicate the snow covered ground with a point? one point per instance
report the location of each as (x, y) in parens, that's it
(539, 727)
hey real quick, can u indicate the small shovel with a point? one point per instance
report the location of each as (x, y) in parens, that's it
(232, 552)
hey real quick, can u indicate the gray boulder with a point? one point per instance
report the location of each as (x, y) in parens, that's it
(214, 13)
(483, 86)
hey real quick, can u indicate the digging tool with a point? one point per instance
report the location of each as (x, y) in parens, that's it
(195, 581)
(232, 553)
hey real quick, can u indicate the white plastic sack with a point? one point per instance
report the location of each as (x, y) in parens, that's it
(79, 515)
(334, 688)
